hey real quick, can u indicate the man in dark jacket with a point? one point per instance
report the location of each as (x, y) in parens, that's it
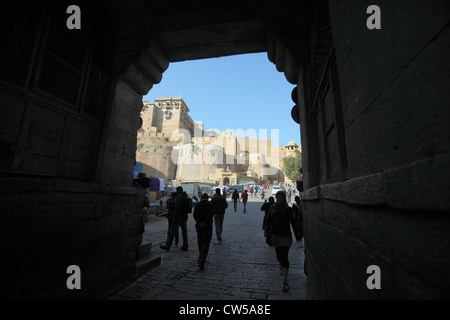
(203, 215)
(265, 207)
(179, 220)
(220, 204)
(170, 205)
(244, 198)
(297, 209)
(235, 198)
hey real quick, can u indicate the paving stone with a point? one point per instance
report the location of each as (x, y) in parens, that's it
(244, 267)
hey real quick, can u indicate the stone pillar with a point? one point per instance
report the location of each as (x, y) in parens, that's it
(118, 155)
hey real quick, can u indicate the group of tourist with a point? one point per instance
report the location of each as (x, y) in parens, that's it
(205, 212)
(278, 219)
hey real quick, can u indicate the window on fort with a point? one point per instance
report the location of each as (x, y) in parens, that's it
(325, 107)
(55, 90)
(331, 138)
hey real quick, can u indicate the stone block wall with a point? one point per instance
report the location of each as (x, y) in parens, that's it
(343, 240)
(50, 224)
(393, 83)
(158, 159)
(392, 210)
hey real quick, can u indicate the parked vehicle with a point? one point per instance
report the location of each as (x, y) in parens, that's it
(238, 187)
(193, 188)
(275, 189)
(213, 190)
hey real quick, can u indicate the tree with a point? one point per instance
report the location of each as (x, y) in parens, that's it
(292, 166)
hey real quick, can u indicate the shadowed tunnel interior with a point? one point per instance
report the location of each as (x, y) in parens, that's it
(371, 105)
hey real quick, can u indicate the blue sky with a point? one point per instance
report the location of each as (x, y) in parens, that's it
(237, 92)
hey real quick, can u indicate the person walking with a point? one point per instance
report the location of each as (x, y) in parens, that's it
(235, 198)
(203, 216)
(220, 204)
(265, 207)
(298, 216)
(244, 198)
(279, 221)
(170, 205)
(179, 220)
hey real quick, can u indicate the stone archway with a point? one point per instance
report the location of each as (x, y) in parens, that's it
(344, 164)
(147, 69)
(367, 192)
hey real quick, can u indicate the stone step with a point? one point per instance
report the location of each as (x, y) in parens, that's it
(145, 264)
(147, 259)
(145, 249)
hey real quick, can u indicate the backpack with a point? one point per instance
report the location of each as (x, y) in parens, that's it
(188, 205)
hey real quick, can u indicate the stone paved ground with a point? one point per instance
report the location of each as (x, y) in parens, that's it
(242, 268)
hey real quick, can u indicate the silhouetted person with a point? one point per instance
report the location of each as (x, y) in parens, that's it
(220, 204)
(244, 198)
(298, 216)
(265, 207)
(170, 205)
(179, 220)
(279, 221)
(203, 216)
(235, 197)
